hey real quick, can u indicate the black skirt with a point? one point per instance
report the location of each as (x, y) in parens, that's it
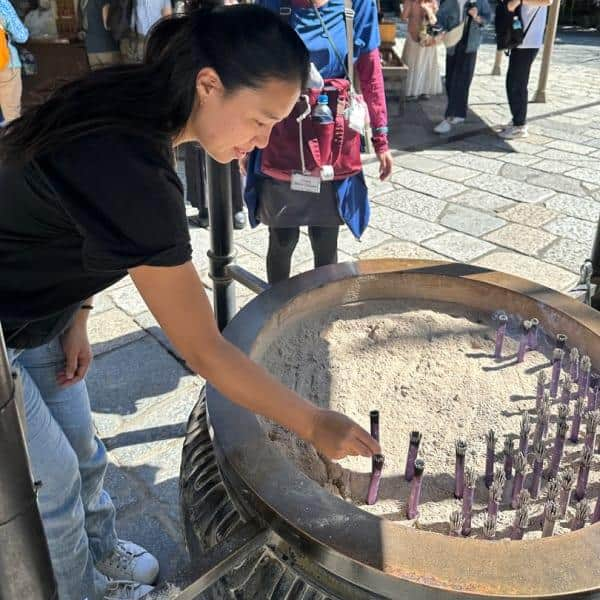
(280, 206)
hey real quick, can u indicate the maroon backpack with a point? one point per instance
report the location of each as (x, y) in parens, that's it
(335, 144)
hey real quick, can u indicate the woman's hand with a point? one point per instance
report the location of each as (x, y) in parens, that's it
(385, 165)
(337, 436)
(78, 352)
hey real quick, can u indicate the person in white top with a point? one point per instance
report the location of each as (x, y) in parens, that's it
(533, 15)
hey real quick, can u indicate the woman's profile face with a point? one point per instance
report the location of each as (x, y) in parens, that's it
(228, 126)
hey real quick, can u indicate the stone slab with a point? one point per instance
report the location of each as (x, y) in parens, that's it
(468, 220)
(377, 187)
(567, 253)
(529, 268)
(518, 159)
(514, 190)
(575, 206)
(427, 184)
(566, 157)
(459, 246)
(552, 166)
(571, 147)
(413, 203)
(353, 247)
(574, 229)
(128, 299)
(401, 249)
(532, 215)
(589, 175)
(403, 226)
(521, 238)
(559, 183)
(456, 173)
(112, 329)
(134, 378)
(483, 200)
(102, 302)
(475, 162)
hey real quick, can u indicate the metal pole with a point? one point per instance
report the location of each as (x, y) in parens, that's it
(25, 568)
(496, 70)
(540, 95)
(221, 253)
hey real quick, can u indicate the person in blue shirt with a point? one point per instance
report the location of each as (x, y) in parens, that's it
(273, 202)
(11, 85)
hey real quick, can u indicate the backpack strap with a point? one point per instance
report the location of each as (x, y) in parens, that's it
(531, 22)
(349, 21)
(285, 10)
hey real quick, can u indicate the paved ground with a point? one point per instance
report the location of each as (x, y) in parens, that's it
(527, 207)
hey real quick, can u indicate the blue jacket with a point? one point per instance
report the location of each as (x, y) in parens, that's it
(17, 32)
(449, 17)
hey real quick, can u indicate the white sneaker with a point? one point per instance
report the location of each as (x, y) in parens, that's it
(443, 127)
(456, 120)
(126, 590)
(513, 132)
(129, 562)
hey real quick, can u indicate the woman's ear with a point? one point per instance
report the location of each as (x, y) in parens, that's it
(207, 83)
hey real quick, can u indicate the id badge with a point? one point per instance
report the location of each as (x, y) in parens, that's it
(302, 182)
(357, 117)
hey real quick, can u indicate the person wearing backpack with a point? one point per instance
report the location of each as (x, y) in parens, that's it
(11, 85)
(471, 15)
(530, 16)
(322, 186)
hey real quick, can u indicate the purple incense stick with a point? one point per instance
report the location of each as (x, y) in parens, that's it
(559, 446)
(596, 514)
(551, 513)
(520, 523)
(584, 471)
(553, 489)
(593, 392)
(520, 462)
(489, 527)
(538, 465)
(566, 487)
(582, 513)
(468, 496)
(523, 499)
(591, 429)
(574, 364)
(374, 418)
(566, 390)
(490, 439)
(456, 523)
(500, 333)
(533, 334)
(576, 425)
(524, 341)
(585, 371)
(413, 450)
(509, 450)
(412, 510)
(557, 359)
(541, 424)
(541, 386)
(495, 498)
(524, 433)
(459, 469)
(378, 461)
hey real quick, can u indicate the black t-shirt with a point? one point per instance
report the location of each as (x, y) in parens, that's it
(72, 222)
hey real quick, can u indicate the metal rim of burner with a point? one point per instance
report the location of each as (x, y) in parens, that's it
(338, 546)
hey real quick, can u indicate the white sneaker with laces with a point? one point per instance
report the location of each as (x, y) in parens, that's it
(456, 120)
(126, 590)
(513, 132)
(443, 127)
(129, 562)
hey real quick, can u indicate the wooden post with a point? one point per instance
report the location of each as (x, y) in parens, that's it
(540, 95)
(498, 62)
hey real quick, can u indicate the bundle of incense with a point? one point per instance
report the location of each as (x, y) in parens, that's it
(460, 447)
(533, 333)
(584, 471)
(551, 514)
(520, 523)
(490, 439)
(468, 497)
(559, 446)
(585, 372)
(412, 510)
(591, 428)
(566, 487)
(538, 465)
(524, 341)
(456, 523)
(557, 360)
(378, 461)
(582, 513)
(524, 432)
(500, 333)
(413, 450)
(495, 498)
(509, 450)
(574, 364)
(374, 419)
(541, 387)
(489, 527)
(520, 463)
(566, 390)
(576, 425)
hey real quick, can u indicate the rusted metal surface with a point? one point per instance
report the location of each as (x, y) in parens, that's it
(374, 554)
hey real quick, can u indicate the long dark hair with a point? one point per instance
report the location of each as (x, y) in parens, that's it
(246, 45)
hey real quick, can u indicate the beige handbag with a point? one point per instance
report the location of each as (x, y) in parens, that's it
(452, 37)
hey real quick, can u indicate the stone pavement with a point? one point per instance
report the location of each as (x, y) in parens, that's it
(527, 207)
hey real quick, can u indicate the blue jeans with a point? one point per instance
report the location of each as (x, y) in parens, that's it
(70, 460)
